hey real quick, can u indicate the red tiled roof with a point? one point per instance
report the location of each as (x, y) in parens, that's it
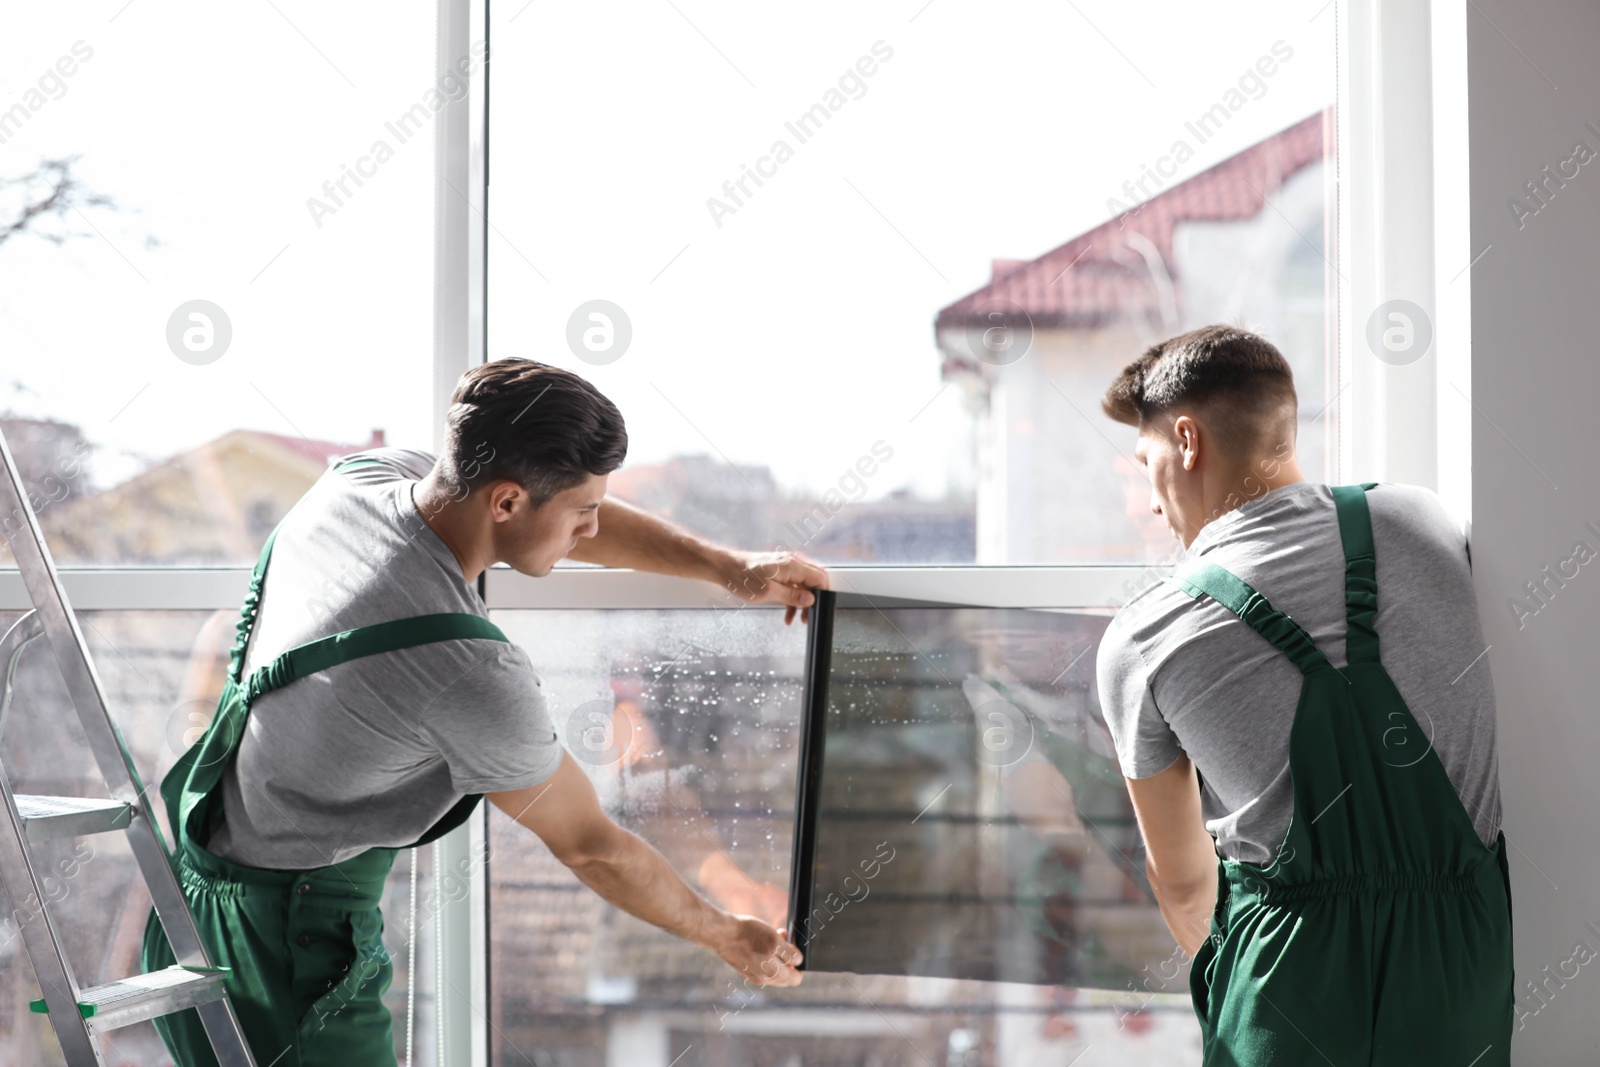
(1099, 277)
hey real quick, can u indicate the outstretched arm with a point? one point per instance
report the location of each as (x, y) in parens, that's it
(633, 538)
(623, 868)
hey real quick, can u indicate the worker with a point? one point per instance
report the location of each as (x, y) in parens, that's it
(1305, 720)
(370, 703)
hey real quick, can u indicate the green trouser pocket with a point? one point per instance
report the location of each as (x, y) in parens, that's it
(1203, 967)
(1200, 980)
(349, 970)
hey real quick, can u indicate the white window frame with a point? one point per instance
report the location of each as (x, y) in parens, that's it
(1395, 422)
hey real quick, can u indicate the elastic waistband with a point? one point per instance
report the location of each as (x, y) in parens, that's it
(1250, 882)
(357, 881)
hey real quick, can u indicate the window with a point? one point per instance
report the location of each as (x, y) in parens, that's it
(858, 282)
(883, 342)
(229, 158)
(955, 279)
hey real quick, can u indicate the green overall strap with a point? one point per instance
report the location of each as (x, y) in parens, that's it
(325, 652)
(1197, 577)
(391, 636)
(1360, 572)
(252, 601)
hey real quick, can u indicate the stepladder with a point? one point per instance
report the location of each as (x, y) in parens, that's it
(80, 1014)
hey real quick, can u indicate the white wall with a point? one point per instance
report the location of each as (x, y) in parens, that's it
(1533, 82)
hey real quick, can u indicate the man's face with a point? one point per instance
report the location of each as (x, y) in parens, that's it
(1173, 494)
(533, 540)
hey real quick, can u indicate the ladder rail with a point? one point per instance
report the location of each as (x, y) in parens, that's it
(20, 526)
(83, 685)
(66, 640)
(228, 1043)
(30, 911)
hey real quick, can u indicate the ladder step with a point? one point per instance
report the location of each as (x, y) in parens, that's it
(145, 996)
(49, 818)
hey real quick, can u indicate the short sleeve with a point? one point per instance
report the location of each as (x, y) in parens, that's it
(1145, 743)
(493, 726)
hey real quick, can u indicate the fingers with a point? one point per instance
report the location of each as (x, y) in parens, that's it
(803, 571)
(786, 952)
(789, 568)
(774, 973)
(784, 979)
(791, 596)
(786, 578)
(774, 963)
(796, 596)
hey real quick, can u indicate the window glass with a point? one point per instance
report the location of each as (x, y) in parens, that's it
(688, 723)
(970, 818)
(858, 277)
(216, 234)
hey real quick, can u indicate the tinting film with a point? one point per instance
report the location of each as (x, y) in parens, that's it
(960, 811)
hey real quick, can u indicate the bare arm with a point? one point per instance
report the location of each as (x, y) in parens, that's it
(1181, 857)
(624, 869)
(632, 538)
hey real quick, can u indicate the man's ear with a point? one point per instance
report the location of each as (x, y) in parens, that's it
(1186, 432)
(503, 497)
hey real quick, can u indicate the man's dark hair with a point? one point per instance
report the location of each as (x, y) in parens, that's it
(1239, 382)
(540, 426)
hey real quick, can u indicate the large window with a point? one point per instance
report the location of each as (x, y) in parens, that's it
(858, 279)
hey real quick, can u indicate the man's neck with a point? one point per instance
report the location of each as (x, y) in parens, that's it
(1242, 485)
(443, 516)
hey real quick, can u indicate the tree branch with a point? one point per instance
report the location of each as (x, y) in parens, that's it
(51, 190)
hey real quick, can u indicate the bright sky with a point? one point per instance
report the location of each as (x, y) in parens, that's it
(992, 131)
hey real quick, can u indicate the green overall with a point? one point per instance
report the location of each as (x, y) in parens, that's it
(305, 948)
(1381, 933)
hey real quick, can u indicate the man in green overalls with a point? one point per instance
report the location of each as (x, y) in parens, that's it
(1341, 902)
(522, 479)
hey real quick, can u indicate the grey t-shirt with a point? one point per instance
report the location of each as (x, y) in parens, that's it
(1181, 675)
(374, 751)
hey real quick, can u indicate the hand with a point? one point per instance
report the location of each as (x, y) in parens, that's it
(785, 577)
(759, 952)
